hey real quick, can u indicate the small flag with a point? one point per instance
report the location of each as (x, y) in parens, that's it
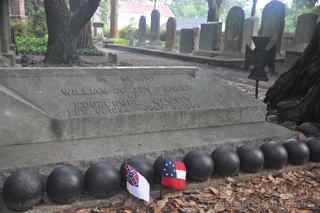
(174, 174)
(137, 185)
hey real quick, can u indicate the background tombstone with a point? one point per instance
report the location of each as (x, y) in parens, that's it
(213, 11)
(304, 31)
(142, 31)
(186, 41)
(155, 27)
(171, 34)
(250, 29)
(196, 38)
(210, 36)
(234, 31)
(273, 22)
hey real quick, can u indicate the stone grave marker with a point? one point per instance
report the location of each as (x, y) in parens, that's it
(251, 25)
(142, 31)
(186, 40)
(210, 36)
(196, 38)
(155, 27)
(233, 37)
(171, 34)
(40, 105)
(273, 22)
(304, 31)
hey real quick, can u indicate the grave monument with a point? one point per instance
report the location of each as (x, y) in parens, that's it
(142, 31)
(272, 23)
(83, 114)
(171, 34)
(210, 36)
(155, 28)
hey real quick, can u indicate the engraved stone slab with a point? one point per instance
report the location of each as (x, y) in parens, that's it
(210, 36)
(99, 102)
(186, 41)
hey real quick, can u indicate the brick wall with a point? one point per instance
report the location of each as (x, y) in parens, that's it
(17, 9)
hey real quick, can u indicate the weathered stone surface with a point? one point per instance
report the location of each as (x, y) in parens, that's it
(155, 27)
(142, 33)
(171, 34)
(186, 41)
(196, 38)
(250, 29)
(212, 11)
(273, 22)
(306, 25)
(77, 103)
(234, 30)
(210, 36)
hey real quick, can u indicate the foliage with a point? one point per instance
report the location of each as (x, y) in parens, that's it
(190, 8)
(31, 45)
(293, 13)
(120, 41)
(104, 11)
(129, 32)
(36, 24)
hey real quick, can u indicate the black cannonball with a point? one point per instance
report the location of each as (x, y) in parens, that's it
(309, 129)
(64, 184)
(226, 161)
(144, 167)
(199, 165)
(298, 152)
(251, 158)
(275, 155)
(102, 180)
(314, 147)
(23, 190)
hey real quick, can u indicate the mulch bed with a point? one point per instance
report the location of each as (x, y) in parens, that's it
(295, 190)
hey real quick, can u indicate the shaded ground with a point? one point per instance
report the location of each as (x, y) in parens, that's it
(295, 190)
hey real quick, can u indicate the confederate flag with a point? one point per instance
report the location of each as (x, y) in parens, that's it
(174, 174)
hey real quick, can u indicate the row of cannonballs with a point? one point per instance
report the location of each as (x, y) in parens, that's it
(26, 188)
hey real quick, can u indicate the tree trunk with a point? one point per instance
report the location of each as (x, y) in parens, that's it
(296, 94)
(64, 26)
(85, 39)
(114, 13)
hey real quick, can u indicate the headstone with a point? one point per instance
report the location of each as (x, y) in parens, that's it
(273, 22)
(251, 25)
(142, 32)
(233, 36)
(50, 104)
(196, 38)
(212, 11)
(304, 31)
(155, 27)
(4, 25)
(186, 41)
(210, 36)
(171, 34)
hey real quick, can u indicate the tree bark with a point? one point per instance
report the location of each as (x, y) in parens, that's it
(296, 94)
(85, 39)
(114, 4)
(64, 26)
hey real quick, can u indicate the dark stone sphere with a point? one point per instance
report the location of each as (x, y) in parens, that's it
(226, 161)
(309, 129)
(144, 167)
(23, 190)
(251, 158)
(314, 148)
(64, 184)
(298, 152)
(199, 165)
(275, 155)
(102, 180)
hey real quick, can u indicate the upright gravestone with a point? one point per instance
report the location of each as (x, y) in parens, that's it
(196, 38)
(142, 32)
(186, 41)
(250, 29)
(171, 34)
(155, 27)
(234, 31)
(273, 22)
(210, 36)
(304, 31)
(213, 11)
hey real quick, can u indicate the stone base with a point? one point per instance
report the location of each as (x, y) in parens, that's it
(11, 57)
(176, 143)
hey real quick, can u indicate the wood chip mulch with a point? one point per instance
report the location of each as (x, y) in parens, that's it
(293, 191)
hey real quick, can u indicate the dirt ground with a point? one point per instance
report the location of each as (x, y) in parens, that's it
(294, 190)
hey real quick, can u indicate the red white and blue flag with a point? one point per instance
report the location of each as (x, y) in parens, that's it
(174, 174)
(137, 185)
